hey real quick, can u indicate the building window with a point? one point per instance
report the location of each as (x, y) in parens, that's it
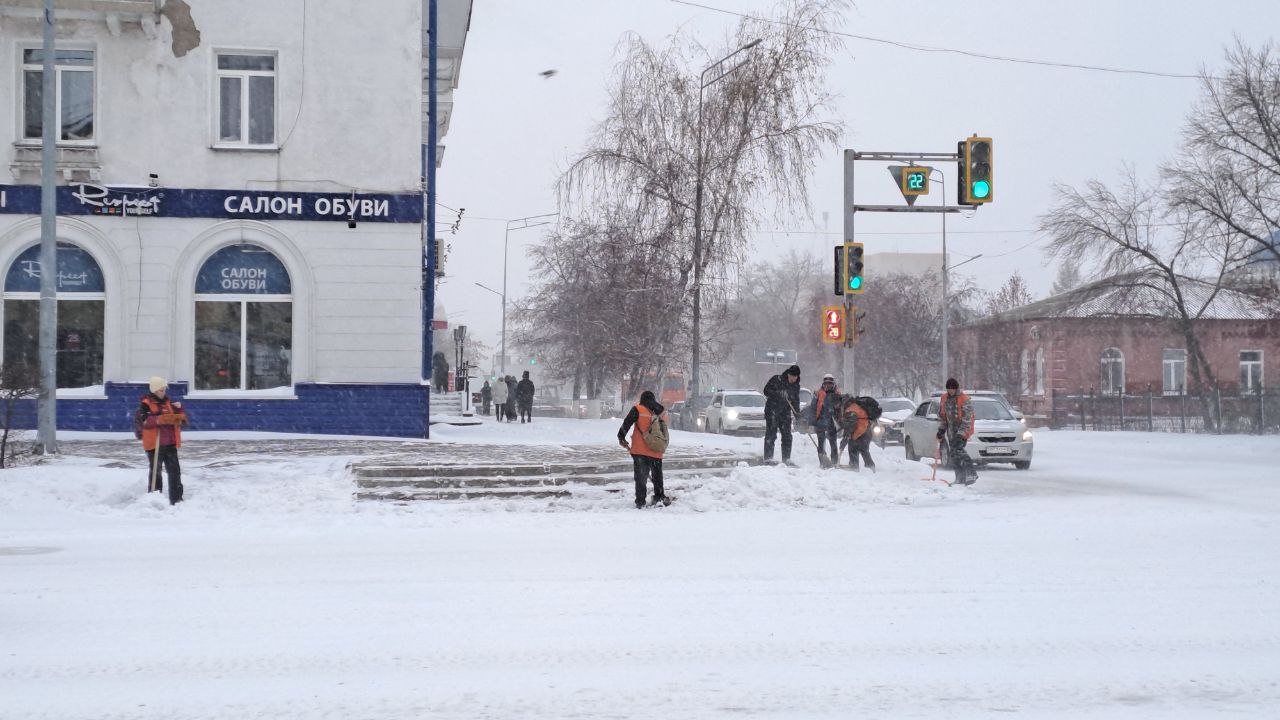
(81, 298)
(1250, 371)
(1025, 372)
(243, 321)
(73, 94)
(1112, 372)
(246, 100)
(1040, 371)
(1175, 371)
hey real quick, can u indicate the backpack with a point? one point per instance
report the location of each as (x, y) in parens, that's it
(869, 406)
(656, 438)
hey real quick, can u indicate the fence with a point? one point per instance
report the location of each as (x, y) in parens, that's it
(1254, 413)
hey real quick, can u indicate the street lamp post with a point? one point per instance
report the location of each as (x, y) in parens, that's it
(695, 384)
(516, 224)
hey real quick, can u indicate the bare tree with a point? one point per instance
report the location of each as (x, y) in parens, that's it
(1228, 173)
(1014, 293)
(1068, 278)
(1149, 250)
(750, 139)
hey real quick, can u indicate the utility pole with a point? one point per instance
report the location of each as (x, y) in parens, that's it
(47, 399)
(846, 355)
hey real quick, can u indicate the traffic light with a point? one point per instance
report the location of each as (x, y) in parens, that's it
(854, 283)
(856, 325)
(975, 171)
(839, 267)
(833, 329)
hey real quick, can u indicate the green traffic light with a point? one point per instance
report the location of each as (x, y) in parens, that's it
(981, 189)
(855, 282)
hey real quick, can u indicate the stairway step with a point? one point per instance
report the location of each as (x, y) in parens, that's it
(414, 495)
(420, 470)
(461, 482)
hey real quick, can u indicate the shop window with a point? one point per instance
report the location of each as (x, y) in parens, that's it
(246, 100)
(243, 320)
(73, 94)
(81, 299)
(1250, 371)
(1174, 361)
(1112, 372)
(1024, 372)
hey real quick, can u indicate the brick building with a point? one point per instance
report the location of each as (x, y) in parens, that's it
(1116, 337)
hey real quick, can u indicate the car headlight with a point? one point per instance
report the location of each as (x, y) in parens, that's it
(732, 414)
(879, 430)
(1026, 436)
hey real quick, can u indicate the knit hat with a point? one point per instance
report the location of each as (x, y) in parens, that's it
(828, 376)
(952, 384)
(793, 370)
(157, 383)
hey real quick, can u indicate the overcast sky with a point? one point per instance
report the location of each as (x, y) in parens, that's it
(513, 131)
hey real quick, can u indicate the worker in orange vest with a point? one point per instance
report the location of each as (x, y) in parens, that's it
(158, 423)
(646, 461)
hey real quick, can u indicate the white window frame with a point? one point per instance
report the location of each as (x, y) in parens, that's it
(58, 70)
(1259, 363)
(1104, 361)
(1024, 368)
(1181, 387)
(243, 76)
(243, 300)
(1039, 389)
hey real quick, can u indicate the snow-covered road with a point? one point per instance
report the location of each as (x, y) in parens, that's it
(1124, 576)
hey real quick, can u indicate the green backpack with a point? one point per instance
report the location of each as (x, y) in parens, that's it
(656, 438)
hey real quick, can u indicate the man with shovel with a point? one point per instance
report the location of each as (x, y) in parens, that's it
(158, 423)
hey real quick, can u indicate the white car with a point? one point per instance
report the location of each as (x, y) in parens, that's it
(894, 412)
(736, 411)
(998, 435)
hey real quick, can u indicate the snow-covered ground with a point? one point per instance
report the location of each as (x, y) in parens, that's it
(1125, 575)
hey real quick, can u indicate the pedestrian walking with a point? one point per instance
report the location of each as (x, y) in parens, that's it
(648, 443)
(158, 423)
(440, 372)
(955, 427)
(823, 415)
(500, 398)
(511, 398)
(782, 396)
(856, 424)
(486, 397)
(524, 398)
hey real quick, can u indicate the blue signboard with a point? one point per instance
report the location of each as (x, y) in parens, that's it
(90, 199)
(243, 269)
(77, 271)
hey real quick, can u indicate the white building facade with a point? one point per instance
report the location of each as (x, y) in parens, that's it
(240, 205)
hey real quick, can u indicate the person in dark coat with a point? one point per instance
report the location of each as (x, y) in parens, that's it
(856, 426)
(158, 423)
(524, 398)
(824, 416)
(782, 396)
(486, 397)
(511, 398)
(646, 462)
(440, 372)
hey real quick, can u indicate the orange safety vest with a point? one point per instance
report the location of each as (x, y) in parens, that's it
(961, 401)
(861, 424)
(150, 434)
(637, 433)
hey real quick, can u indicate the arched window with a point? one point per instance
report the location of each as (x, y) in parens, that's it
(1025, 372)
(244, 321)
(81, 300)
(1112, 372)
(1040, 371)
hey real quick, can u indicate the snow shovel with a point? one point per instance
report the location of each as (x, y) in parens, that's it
(822, 457)
(937, 460)
(155, 464)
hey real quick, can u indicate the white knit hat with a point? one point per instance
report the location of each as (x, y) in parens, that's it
(157, 383)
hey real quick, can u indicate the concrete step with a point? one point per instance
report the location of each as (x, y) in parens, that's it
(384, 469)
(417, 495)
(531, 482)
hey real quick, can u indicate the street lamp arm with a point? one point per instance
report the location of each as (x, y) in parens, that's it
(495, 292)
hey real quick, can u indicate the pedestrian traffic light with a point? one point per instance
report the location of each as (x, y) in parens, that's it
(853, 281)
(857, 326)
(975, 171)
(833, 328)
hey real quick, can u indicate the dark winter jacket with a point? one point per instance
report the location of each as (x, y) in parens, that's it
(486, 393)
(781, 396)
(652, 406)
(524, 391)
(511, 392)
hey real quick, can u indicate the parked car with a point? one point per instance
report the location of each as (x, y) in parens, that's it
(894, 412)
(736, 411)
(999, 436)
